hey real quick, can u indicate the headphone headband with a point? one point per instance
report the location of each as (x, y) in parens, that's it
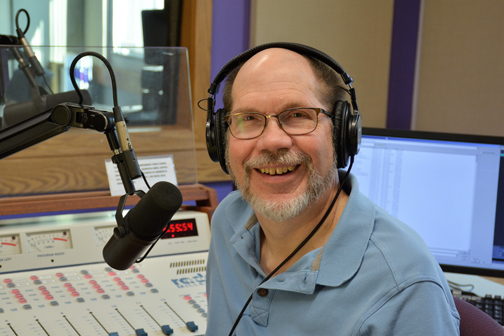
(347, 134)
(296, 47)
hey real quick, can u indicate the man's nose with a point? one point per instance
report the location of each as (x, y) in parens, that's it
(274, 137)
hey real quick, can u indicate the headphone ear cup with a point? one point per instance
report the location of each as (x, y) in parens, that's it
(340, 121)
(354, 134)
(220, 137)
(210, 139)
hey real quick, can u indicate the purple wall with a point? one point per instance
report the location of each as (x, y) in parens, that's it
(402, 63)
(230, 33)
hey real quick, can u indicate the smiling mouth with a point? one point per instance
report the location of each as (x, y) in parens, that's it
(277, 171)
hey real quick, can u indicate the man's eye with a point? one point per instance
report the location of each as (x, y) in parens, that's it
(298, 114)
(248, 117)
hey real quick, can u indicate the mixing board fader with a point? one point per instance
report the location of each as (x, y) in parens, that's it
(163, 295)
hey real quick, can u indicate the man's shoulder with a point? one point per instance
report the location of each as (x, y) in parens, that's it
(403, 249)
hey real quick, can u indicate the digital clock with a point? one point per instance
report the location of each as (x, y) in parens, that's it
(181, 228)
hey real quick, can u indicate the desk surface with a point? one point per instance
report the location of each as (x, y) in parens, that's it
(482, 285)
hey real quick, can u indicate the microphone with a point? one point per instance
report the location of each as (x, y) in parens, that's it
(16, 113)
(37, 67)
(25, 67)
(143, 225)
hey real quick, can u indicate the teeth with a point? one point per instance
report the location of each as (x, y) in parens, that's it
(277, 171)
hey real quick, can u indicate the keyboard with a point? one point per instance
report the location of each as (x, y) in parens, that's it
(492, 305)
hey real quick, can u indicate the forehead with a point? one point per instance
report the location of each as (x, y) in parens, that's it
(275, 78)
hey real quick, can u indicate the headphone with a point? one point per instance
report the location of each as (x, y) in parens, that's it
(347, 125)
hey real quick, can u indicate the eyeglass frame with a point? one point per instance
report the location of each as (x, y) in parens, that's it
(318, 110)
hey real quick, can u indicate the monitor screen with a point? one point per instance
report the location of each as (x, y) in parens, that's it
(447, 187)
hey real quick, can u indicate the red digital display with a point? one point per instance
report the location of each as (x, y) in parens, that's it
(181, 228)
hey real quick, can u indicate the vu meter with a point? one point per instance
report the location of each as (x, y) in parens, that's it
(9, 244)
(49, 241)
(103, 234)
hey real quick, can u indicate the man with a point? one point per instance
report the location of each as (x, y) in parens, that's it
(362, 272)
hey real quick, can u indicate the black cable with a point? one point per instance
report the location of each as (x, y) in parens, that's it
(303, 243)
(113, 84)
(145, 180)
(107, 64)
(22, 10)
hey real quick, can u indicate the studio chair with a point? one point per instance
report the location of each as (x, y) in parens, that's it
(474, 322)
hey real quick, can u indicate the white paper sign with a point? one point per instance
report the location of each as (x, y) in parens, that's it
(155, 169)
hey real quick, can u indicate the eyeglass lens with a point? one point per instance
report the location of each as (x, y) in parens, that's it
(295, 121)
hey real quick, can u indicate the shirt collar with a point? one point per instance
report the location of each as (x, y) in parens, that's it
(332, 265)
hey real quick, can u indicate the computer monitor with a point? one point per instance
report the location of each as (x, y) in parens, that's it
(447, 187)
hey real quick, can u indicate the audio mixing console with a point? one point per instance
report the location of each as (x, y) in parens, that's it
(53, 280)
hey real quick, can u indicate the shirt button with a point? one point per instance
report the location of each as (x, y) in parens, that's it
(262, 292)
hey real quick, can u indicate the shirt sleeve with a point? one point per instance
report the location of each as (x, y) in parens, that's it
(422, 308)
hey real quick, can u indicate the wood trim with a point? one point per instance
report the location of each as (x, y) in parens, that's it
(205, 197)
(197, 38)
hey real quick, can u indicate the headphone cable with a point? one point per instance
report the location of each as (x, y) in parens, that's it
(303, 243)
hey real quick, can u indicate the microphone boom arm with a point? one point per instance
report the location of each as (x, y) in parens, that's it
(87, 117)
(58, 120)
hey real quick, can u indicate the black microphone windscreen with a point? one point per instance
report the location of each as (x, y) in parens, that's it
(155, 209)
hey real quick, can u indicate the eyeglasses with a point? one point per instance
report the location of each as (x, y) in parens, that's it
(294, 121)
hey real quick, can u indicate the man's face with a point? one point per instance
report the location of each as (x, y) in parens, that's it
(277, 173)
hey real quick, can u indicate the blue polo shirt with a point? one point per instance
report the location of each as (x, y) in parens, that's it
(374, 276)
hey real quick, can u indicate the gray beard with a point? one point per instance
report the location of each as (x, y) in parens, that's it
(281, 211)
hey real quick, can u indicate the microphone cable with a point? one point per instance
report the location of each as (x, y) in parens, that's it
(303, 243)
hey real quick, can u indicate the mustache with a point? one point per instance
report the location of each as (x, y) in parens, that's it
(280, 157)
